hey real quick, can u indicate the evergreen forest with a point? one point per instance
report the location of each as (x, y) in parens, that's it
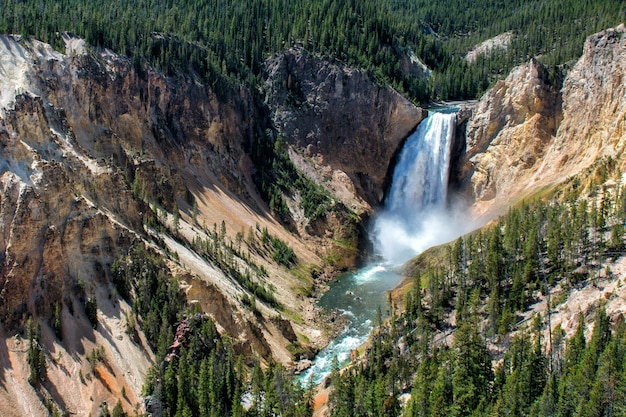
(487, 281)
(197, 371)
(226, 42)
(551, 244)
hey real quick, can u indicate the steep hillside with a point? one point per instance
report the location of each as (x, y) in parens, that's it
(522, 317)
(106, 166)
(344, 128)
(87, 146)
(526, 133)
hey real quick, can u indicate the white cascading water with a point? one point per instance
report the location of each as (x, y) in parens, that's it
(415, 215)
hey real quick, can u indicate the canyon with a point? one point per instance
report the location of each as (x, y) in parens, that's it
(99, 157)
(95, 151)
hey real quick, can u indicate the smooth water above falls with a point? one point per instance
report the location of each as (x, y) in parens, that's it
(414, 218)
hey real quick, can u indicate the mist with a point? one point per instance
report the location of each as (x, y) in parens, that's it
(398, 239)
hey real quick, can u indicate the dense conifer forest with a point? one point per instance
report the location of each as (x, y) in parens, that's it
(486, 280)
(226, 42)
(196, 371)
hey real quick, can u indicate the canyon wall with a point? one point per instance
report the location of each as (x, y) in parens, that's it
(98, 155)
(88, 145)
(527, 133)
(345, 129)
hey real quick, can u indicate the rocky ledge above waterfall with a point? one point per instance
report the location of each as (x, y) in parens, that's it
(344, 128)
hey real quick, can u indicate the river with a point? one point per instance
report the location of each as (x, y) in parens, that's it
(357, 296)
(416, 216)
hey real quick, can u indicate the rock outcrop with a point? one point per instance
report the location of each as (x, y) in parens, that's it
(96, 154)
(594, 104)
(345, 127)
(489, 46)
(91, 150)
(525, 133)
(507, 133)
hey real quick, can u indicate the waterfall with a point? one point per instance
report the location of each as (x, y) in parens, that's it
(415, 215)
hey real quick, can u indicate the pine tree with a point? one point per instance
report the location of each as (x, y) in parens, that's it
(35, 356)
(607, 393)
(441, 395)
(472, 372)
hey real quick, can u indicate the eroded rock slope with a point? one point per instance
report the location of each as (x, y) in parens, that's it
(99, 156)
(345, 129)
(526, 133)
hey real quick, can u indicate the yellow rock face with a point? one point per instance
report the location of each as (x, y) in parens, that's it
(524, 134)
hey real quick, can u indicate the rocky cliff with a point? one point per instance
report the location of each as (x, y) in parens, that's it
(526, 133)
(507, 135)
(91, 150)
(99, 156)
(344, 128)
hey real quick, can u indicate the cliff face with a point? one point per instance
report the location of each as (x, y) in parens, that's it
(86, 142)
(90, 150)
(507, 134)
(594, 108)
(345, 128)
(79, 132)
(94, 152)
(524, 134)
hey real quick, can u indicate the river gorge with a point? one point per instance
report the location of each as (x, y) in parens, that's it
(416, 215)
